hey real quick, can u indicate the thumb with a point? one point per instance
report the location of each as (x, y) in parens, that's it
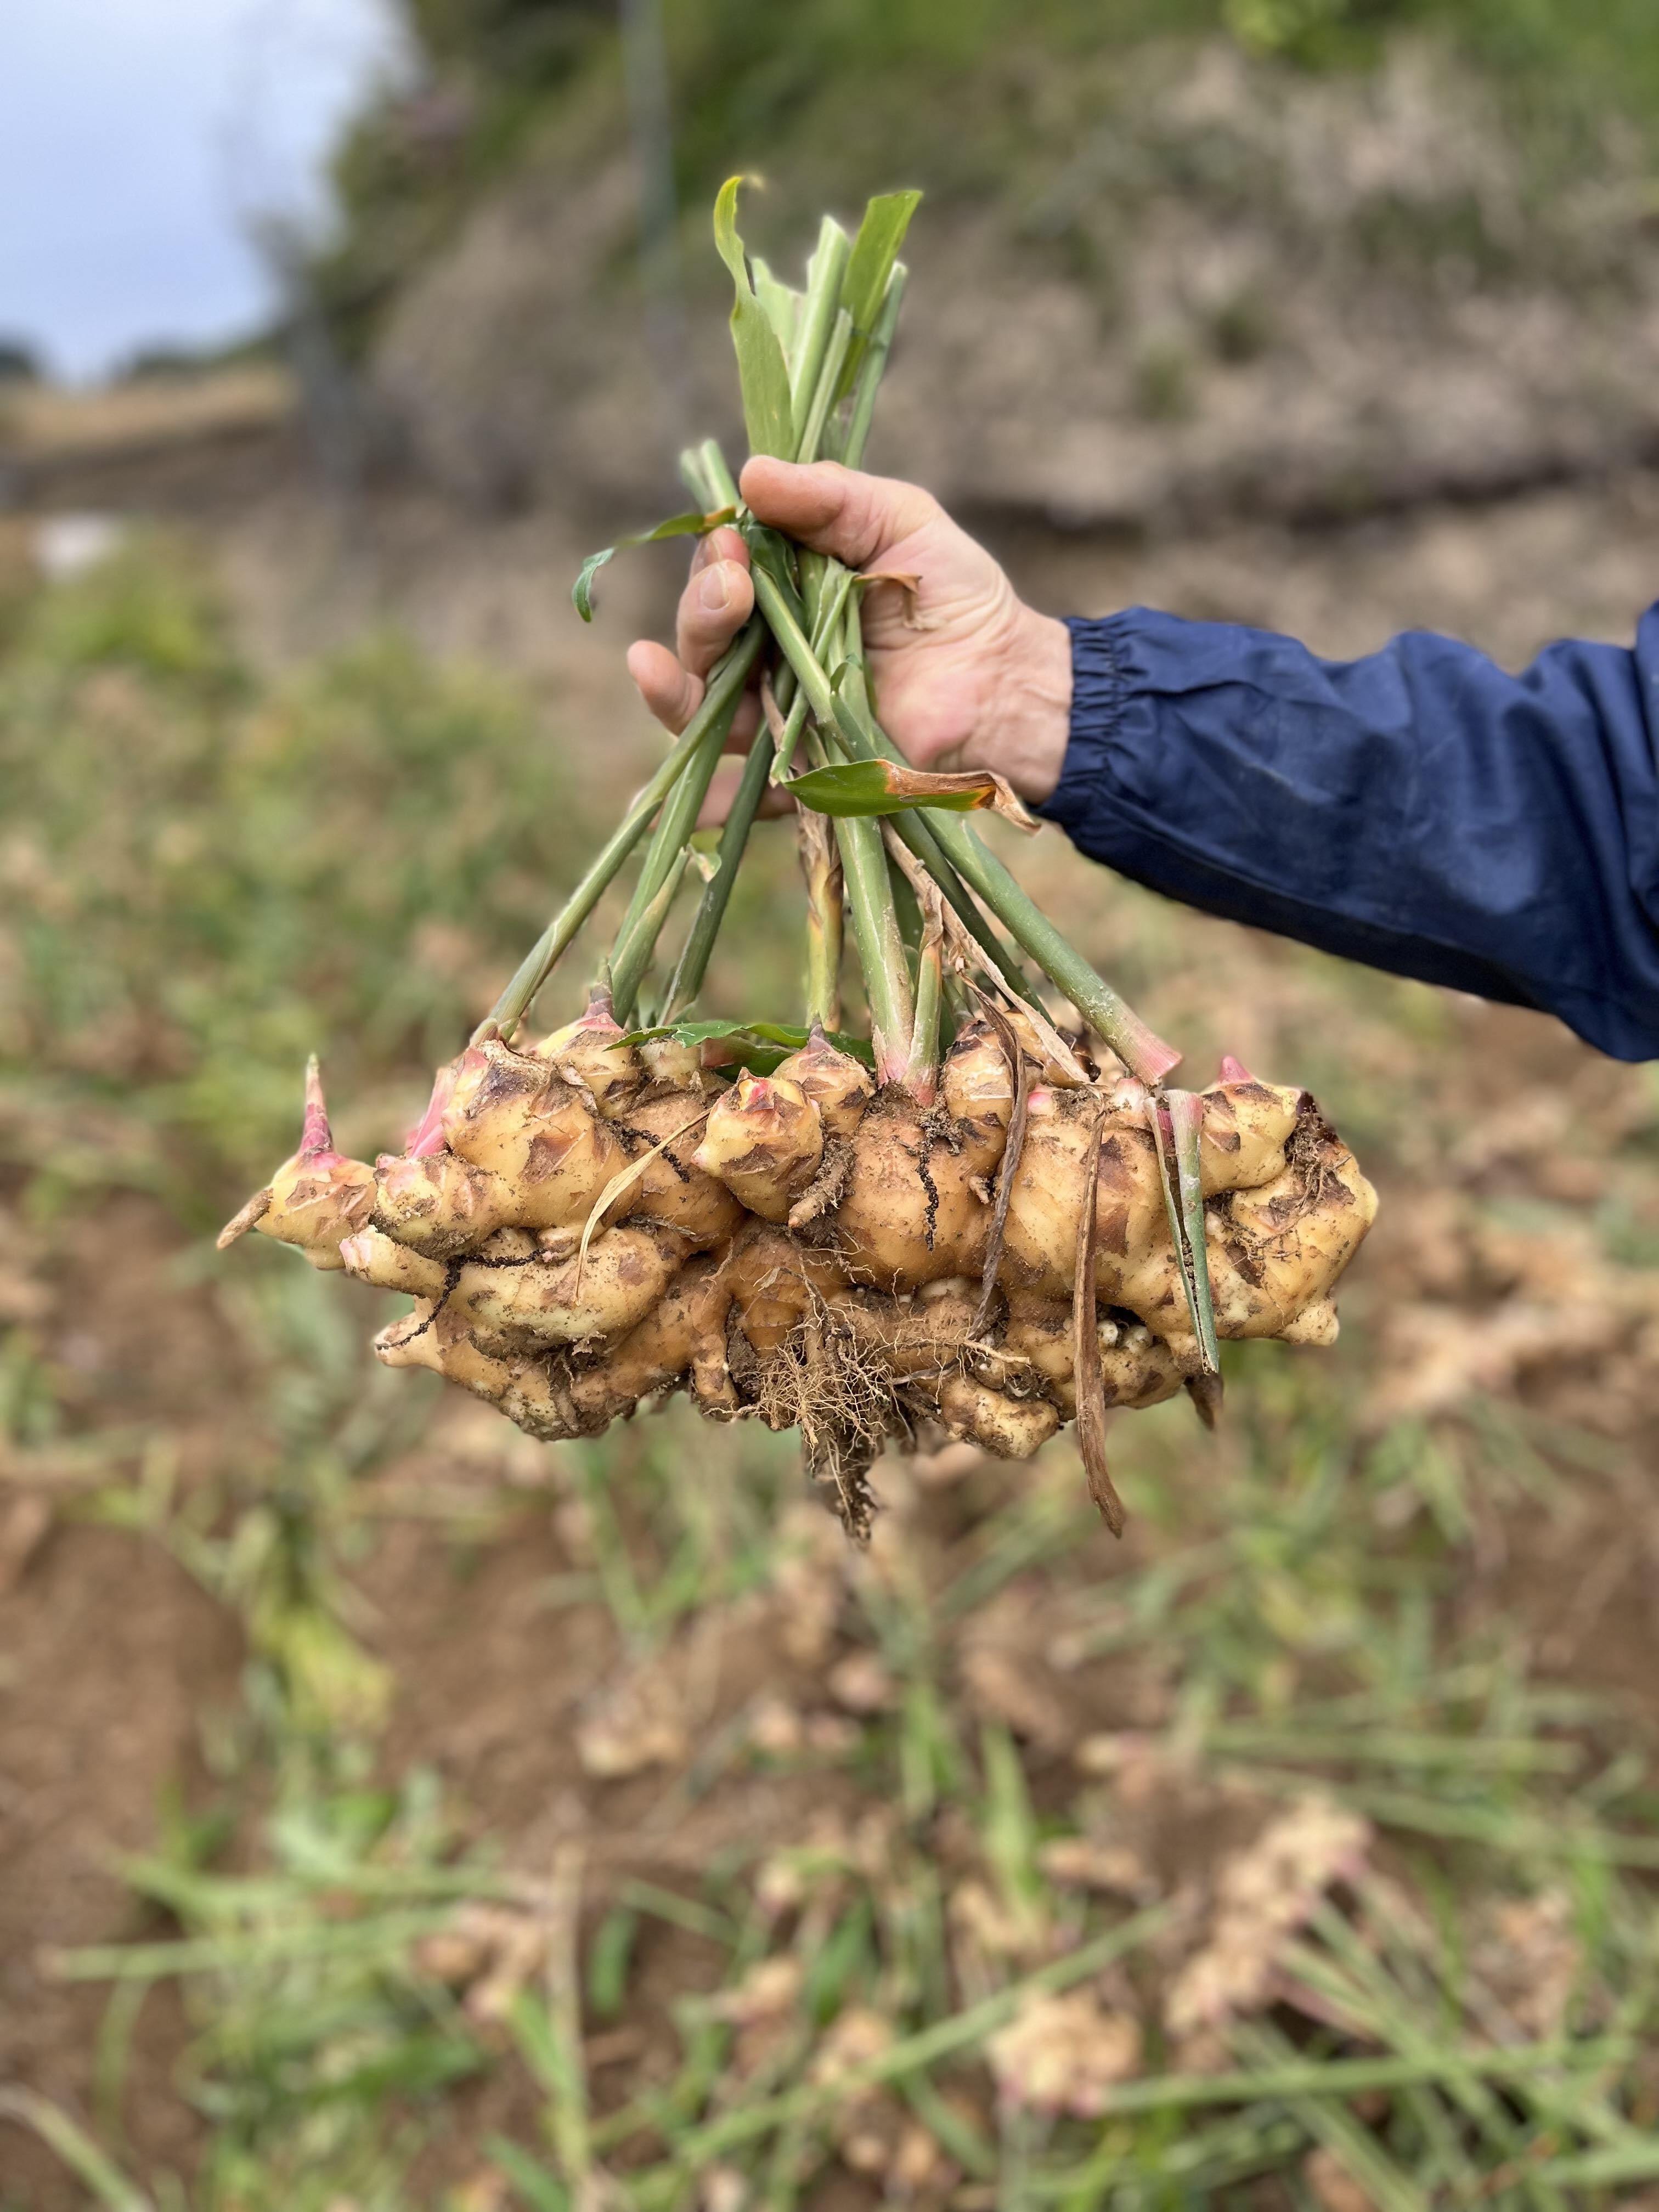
(842, 511)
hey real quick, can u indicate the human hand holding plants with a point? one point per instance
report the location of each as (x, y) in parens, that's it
(965, 675)
(825, 1248)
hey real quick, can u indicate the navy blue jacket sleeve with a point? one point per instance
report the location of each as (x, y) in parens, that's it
(1420, 810)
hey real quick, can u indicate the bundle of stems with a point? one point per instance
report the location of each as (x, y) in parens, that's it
(893, 1181)
(811, 363)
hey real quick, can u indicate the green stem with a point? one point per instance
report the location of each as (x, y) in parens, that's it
(880, 946)
(1351, 2077)
(724, 688)
(906, 907)
(631, 954)
(711, 909)
(913, 828)
(834, 617)
(834, 360)
(103, 2179)
(694, 474)
(720, 478)
(1142, 1052)
(876, 936)
(871, 369)
(789, 736)
(819, 311)
(1187, 1123)
(825, 586)
(913, 824)
(855, 678)
(677, 822)
(829, 584)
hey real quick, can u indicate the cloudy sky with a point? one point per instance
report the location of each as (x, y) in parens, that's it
(137, 138)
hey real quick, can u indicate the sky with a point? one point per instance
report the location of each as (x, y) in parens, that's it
(137, 140)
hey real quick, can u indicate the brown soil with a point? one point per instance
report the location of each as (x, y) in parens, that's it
(111, 1662)
(111, 1658)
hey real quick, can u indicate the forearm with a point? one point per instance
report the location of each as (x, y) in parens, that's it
(1419, 810)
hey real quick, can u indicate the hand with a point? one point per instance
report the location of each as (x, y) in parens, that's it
(964, 674)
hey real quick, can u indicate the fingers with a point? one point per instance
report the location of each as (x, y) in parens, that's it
(857, 518)
(717, 805)
(716, 602)
(714, 607)
(672, 693)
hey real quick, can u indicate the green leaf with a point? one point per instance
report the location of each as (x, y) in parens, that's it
(885, 786)
(886, 219)
(786, 1033)
(761, 370)
(781, 301)
(756, 1041)
(695, 525)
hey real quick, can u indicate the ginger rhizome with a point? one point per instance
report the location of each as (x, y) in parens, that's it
(869, 1320)
(987, 1220)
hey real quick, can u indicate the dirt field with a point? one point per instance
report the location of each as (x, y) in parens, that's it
(748, 1809)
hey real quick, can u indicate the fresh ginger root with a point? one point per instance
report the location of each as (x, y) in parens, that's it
(317, 1199)
(764, 1141)
(595, 1223)
(865, 1245)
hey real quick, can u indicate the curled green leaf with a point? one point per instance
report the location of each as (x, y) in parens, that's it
(695, 525)
(762, 373)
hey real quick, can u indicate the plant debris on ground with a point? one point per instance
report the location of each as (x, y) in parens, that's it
(401, 1812)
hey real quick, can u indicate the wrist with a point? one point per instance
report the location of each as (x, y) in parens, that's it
(1034, 710)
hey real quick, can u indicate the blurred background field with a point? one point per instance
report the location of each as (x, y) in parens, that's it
(394, 1813)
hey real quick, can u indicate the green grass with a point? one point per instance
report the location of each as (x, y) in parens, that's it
(205, 879)
(196, 865)
(1300, 1657)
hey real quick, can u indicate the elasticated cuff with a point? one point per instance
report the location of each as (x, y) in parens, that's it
(1098, 687)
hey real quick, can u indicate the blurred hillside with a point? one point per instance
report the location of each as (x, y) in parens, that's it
(1313, 256)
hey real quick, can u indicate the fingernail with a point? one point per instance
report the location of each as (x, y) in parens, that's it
(714, 592)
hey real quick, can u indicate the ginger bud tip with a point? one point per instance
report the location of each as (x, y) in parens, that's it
(315, 1135)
